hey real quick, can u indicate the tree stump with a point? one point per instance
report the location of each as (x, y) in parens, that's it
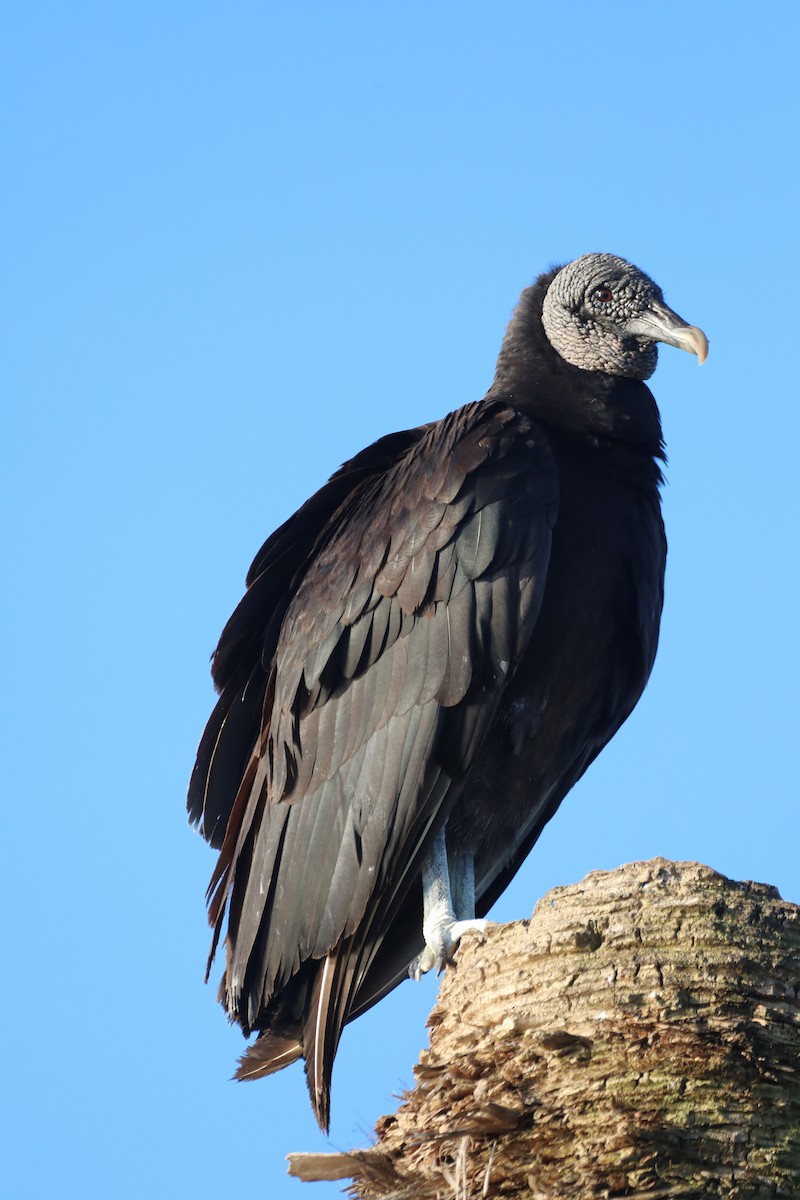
(638, 1037)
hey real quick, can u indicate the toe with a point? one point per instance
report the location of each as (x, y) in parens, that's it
(461, 927)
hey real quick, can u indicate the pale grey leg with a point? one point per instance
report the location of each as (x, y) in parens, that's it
(462, 883)
(441, 906)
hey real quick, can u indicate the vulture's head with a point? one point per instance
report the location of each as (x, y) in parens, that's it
(603, 314)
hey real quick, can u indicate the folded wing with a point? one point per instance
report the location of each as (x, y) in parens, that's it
(359, 678)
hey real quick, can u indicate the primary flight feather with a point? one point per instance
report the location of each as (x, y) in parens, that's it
(428, 655)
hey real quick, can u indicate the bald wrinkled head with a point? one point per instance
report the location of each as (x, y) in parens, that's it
(601, 313)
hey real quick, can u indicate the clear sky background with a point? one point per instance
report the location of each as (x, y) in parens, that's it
(241, 241)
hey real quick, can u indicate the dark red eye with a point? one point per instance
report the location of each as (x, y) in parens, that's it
(604, 295)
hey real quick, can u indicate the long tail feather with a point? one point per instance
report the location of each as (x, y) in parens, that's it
(271, 1052)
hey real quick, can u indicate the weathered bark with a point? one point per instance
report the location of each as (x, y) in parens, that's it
(639, 1036)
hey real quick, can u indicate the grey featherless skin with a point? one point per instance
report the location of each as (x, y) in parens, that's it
(600, 313)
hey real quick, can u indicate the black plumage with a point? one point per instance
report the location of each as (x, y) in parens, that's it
(430, 652)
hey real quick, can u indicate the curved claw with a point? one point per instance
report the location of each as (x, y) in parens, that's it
(441, 944)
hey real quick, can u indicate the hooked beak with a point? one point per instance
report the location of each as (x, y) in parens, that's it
(660, 324)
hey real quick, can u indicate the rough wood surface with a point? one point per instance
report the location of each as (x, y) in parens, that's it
(639, 1036)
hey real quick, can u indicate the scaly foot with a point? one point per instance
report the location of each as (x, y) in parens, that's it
(441, 942)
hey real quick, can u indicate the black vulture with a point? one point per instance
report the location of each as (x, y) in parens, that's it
(429, 654)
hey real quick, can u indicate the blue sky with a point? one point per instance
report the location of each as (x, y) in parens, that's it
(241, 242)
